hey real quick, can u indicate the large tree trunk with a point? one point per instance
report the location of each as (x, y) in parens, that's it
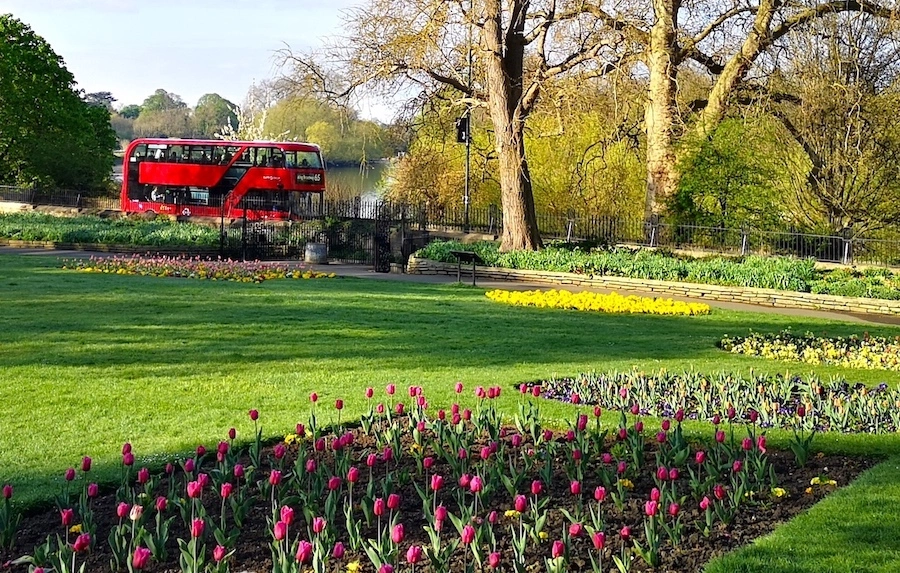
(662, 176)
(504, 61)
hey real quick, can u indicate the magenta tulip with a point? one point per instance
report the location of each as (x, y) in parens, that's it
(468, 534)
(219, 553)
(279, 531)
(397, 534)
(197, 527)
(304, 552)
(141, 557)
(287, 514)
(85, 464)
(82, 543)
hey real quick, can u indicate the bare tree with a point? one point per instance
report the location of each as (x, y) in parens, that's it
(516, 45)
(846, 79)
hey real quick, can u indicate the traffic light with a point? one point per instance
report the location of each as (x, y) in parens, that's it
(462, 129)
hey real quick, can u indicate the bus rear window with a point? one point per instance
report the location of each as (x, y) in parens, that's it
(303, 159)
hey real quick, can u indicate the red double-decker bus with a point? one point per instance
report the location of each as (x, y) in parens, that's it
(259, 180)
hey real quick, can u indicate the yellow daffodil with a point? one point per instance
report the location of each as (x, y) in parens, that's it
(626, 483)
(75, 528)
(512, 513)
(290, 439)
(353, 567)
(543, 535)
(589, 301)
(778, 492)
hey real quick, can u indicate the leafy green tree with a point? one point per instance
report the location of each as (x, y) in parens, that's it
(212, 113)
(163, 114)
(62, 141)
(131, 111)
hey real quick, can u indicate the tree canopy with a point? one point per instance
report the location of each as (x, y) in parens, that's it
(49, 135)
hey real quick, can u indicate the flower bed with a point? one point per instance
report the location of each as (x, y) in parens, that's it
(590, 301)
(837, 406)
(410, 491)
(193, 268)
(868, 352)
(779, 273)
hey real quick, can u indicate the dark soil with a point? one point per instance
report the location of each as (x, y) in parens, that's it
(253, 550)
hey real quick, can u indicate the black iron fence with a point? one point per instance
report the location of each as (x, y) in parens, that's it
(363, 230)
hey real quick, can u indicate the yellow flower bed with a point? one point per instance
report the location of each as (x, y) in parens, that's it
(597, 302)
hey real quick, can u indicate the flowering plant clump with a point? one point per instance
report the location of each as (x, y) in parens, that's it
(866, 352)
(192, 267)
(412, 489)
(775, 401)
(591, 301)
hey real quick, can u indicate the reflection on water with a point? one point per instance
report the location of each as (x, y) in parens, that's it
(348, 182)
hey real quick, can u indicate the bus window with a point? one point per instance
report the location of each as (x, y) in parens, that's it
(262, 156)
(308, 159)
(139, 153)
(277, 158)
(200, 154)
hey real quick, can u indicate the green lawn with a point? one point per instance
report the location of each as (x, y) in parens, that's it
(90, 361)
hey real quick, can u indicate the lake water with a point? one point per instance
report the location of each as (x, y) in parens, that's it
(348, 182)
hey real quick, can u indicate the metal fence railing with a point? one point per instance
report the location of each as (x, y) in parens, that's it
(355, 216)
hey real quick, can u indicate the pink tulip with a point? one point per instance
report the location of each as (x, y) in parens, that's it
(238, 470)
(666, 424)
(279, 450)
(203, 479)
(161, 503)
(197, 527)
(476, 484)
(93, 490)
(654, 494)
(468, 534)
(7, 491)
(600, 493)
(458, 387)
(581, 423)
(625, 533)
(128, 459)
(700, 457)
(353, 474)
(393, 501)
(126, 448)
(338, 551)
(437, 482)
(673, 509)
(639, 426)
(122, 510)
(493, 517)
(720, 436)
(570, 436)
(311, 465)
(386, 568)
(387, 455)
(279, 531)
(493, 560)
(731, 413)
(140, 558)
(390, 389)
(378, 507)
(379, 408)
(558, 549)
(201, 451)
(428, 463)
(606, 458)
(274, 477)
(369, 393)
(219, 553)
(189, 465)
(521, 503)
(194, 489)
(719, 492)
(254, 415)
(753, 415)
(716, 420)
(662, 474)
(620, 469)
(575, 529)
(170, 469)
(704, 503)
(67, 516)
(747, 444)
(318, 525)
(464, 481)
(143, 476)
(225, 490)
(674, 474)
(287, 514)
(536, 391)
(575, 487)
(661, 437)
(313, 397)
(397, 534)
(679, 415)
(300, 430)
(536, 487)
(737, 465)
(440, 513)
(599, 540)
(85, 464)
(371, 459)
(761, 444)
(304, 552)
(232, 433)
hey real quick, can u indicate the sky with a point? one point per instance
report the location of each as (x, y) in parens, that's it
(131, 48)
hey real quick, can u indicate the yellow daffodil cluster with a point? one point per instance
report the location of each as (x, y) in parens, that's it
(626, 483)
(591, 301)
(869, 353)
(291, 439)
(778, 492)
(825, 482)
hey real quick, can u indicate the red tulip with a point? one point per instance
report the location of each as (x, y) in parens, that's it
(700, 457)
(278, 451)
(428, 462)
(730, 412)
(662, 474)
(126, 448)
(313, 397)
(141, 557)
(761, 443)
(661, 437)
(575, 399)
(536, 487)
(70, 474)
(673, 474)
(625, 533)
(736, 466)
(353, 474)
(599, 540)
(82, 542)
(7, 491)
(673, 509)
(464, 481)
(720, 436)
(67, 516)
(747, 444)
(639, 426)
(440, 513)
(575, 529)
(238, 470)
(719, 492)
(598, 411)
(716, 420)
(85, 464)
(754, 416)
(203, 479)
(143, 476)
(197, 527)
(201, 451)
(189, 465)
(338, 404)
(93, 490)
(393, 501)
(232, 433)
(666, 424)
(386, 568)
(575, 487)
(801, 410)
(254, 415)
(371, 459)
(387, 455)
(274, 477)
(536, 391)
(161, 503)
(378, 508)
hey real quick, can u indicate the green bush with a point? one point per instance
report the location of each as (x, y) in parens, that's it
(778, 273)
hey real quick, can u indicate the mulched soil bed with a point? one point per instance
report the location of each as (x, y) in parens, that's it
(253, 552)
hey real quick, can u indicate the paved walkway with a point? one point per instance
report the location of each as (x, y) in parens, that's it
(366, 272)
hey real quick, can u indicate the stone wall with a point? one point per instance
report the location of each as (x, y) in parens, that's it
(748, 295)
